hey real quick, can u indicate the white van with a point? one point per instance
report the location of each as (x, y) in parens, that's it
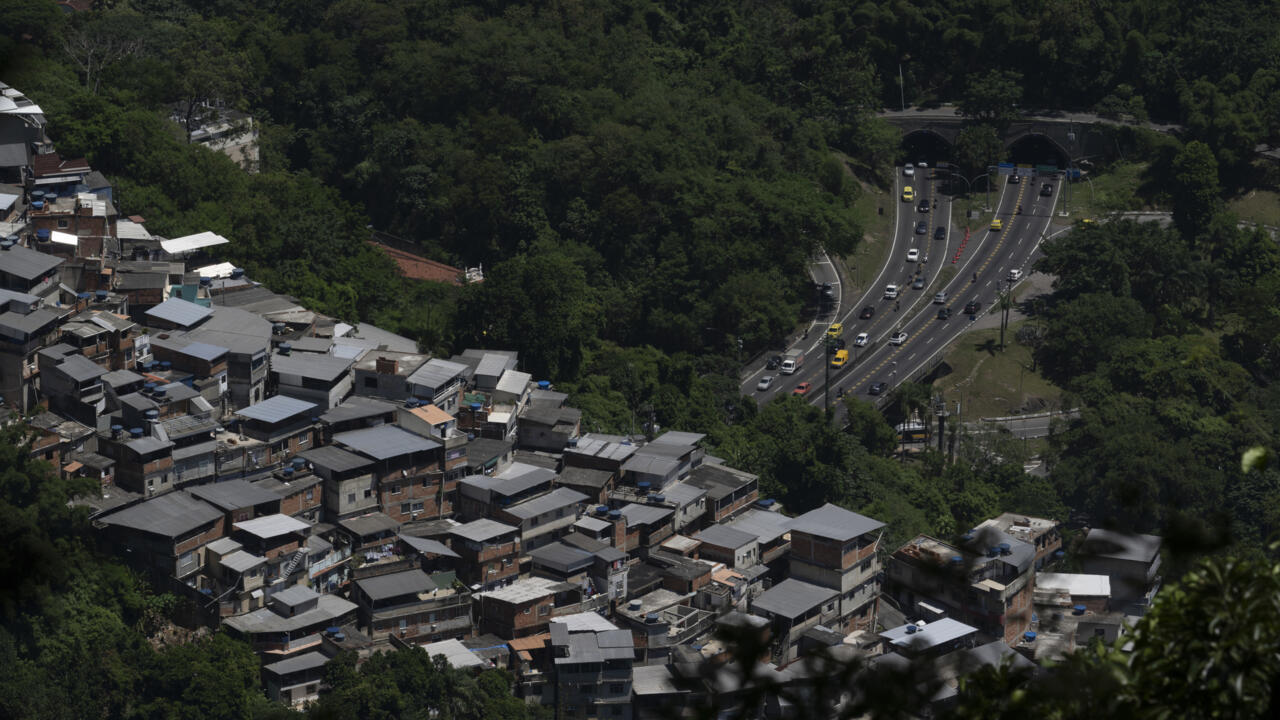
(940, 299)
(891, 291)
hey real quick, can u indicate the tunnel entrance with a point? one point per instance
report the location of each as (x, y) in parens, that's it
(1037, 149)
(925, 146)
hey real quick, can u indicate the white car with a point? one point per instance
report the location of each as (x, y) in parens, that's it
(898, 338)
(765, 382)
(891, 291)
(913, 255)
(1015, 275)
(909, 170)
(861, 340)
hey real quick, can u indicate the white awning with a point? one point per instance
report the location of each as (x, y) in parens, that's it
(64, 238)
(192, 242)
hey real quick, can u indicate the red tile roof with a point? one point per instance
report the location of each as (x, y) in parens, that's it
(420, 268)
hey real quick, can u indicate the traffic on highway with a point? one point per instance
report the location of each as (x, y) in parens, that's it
(936, 280)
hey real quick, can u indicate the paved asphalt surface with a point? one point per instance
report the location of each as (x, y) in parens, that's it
(987, 255)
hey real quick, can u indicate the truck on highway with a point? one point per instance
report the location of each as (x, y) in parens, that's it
(791, 362)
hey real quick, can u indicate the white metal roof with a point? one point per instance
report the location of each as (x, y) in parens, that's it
(220, 270)
(63, 238)
(1075, 584)
(187, 243)
(269, 526)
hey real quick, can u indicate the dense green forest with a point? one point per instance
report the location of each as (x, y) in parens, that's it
(644, 183)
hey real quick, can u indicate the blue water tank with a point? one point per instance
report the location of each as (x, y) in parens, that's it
(1005, 548)
(100, 294)
(135, 432)
(657, 498)
(152, 414)
(1060, 554)
(160, 393)
(42, 234)
(476, 406)
(149, 387)
(1078, 609)
(84, 295)
(993, 551)
(957, 560)
(912, 629)
(651, 617)
(544, 384)
(615, 514)
(38, 205)
(287, 472)
(206, 281)
(1029, 636)
(237, 273)
(602, 509)
(299, 463)
(165, 364)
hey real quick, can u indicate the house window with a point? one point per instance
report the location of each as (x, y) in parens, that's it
(64, 223)
(528, 610)
(371, 382)
(395, 489)
(405, 508)
(544, 610)
(368, 494)
(351, 497)
(311, 493)
(417, 507)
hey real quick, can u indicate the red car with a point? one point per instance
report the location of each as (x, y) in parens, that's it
(802, 389)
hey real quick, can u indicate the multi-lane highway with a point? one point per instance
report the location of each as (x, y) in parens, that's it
(981, 264)
(926, 205)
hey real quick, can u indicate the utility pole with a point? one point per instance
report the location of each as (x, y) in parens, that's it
(902, 89)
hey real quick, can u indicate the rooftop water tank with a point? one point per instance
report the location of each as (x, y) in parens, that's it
(237, 273)
(912, 629)
(1005, 548)
(657, 498)
(634, 605)
(206, 281)
(299, 463)
(37, 205)
(1029, 636)
(285, 348)
(42, 235)
(544, 384)
(766, 503)
(476, 406)
(152, 414)
(135, 432)
(287, 472)
(615, 514)
(159, 393)
(100, 294)
(602, 509)
(1078, 609)
(83, 296)
(651, 617)
(165, 365)
(957, 560)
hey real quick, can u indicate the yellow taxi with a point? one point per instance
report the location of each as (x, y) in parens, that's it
(841, 357)
(835, 330)
(997, 225)
(908, 194)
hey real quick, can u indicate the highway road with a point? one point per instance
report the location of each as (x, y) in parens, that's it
(888, 314)
(982, 269)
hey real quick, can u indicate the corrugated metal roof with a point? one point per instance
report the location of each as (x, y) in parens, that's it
(179, 312)
(234, 494)
(436, 373)
(335, 459)
(81, 368)
(457, 654)
(241, 561)
(384, 442)
(584, 477)
(269, 526)
(558, 498)
(276, 409)
(644, 514)
(562, 556)
(326, 368)
(513, 382)
(492, 365)
(369, 524)
(585, 622)
(409, 582)
(356, 407)
(481, 530)
(264, 620)
(527, 589)
(26, 263)
(792, 598)
(725, 537)
(170, 515)
(766, 526)
(834, 523)
(678, 437)
(306, 661)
